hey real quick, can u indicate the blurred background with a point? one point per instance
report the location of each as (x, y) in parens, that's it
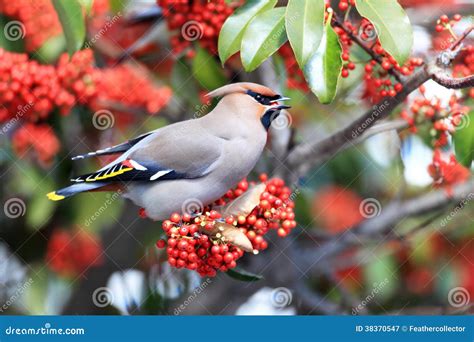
(139, 70)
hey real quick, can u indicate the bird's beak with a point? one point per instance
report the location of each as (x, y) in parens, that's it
(277, 106)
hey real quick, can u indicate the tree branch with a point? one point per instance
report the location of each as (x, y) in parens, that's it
(386, 221)
(445, 80)
(311, 154)
(338, 22)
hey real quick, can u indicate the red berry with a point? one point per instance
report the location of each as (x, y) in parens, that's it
(160, 243)
(175, 217)
(228, 257)
(343, 5)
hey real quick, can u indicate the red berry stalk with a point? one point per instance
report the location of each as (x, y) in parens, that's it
(215, 239)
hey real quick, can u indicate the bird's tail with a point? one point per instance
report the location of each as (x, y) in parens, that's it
(74, 189)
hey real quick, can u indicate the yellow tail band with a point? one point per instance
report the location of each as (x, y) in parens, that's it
(53, 196)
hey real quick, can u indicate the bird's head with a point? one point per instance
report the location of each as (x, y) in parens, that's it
(253, 98)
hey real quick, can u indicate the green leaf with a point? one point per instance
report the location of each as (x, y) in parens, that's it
(207, 71)
(183, 84)
(72, 21)
(324, 67)
(464, 140)
(305, 27)
(391, 24)
(50, 51)
(87, 4)
(381, 274)
(230, 36)
(264, 35)
(240, 274)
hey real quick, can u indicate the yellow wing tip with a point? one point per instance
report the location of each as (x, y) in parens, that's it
(53, 196)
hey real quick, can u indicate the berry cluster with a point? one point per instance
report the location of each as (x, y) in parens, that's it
(30, 92)
(379, 83)
(295, 77)
(447, 173)
(37, 138)
(330, 202)
(195, 21)
(191, 249)
(77, 78)
(346, 43)
(131, 87)
(344, 4)
(444, 119)
(71, 253)
(444, 23)
(39, 19)
(274, 211)
(215, 239)
(25, 83)
(464, 64)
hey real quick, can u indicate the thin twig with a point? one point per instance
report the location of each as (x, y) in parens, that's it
(389, 216)
(337, 21)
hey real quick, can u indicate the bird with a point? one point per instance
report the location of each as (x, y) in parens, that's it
(197, 160)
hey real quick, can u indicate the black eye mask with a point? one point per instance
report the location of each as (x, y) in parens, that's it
(262, 99)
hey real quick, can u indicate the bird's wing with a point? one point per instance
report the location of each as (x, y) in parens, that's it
(120, 148)
(171, 153)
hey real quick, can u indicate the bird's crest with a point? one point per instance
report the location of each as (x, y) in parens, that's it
(241, 87)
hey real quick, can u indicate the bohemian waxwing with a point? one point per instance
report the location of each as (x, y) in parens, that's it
(194, 160)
